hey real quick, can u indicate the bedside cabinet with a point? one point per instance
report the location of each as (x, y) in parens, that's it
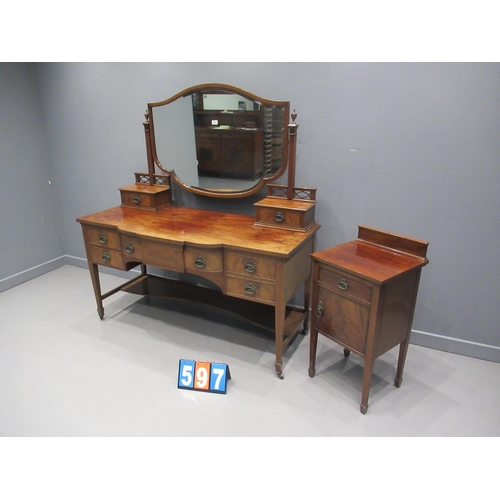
(363, 297)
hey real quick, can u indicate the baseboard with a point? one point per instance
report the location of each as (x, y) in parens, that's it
(423, 339)
(32, 272)
(456, 346)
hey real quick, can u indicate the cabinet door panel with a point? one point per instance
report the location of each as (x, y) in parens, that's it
(342, 319)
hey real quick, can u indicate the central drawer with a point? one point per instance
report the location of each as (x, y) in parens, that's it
(163, 255)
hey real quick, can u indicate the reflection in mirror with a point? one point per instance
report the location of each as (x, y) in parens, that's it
(216, 140)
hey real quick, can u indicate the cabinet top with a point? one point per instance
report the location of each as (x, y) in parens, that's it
(376, 255)
(180, 225)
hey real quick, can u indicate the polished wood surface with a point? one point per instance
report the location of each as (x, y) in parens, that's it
(363, 297)
(209, 228)
(248, 263)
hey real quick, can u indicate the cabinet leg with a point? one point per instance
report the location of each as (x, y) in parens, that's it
(94, 275)
(279, 326)
(403, 349)
(367, 380)
(313, 345)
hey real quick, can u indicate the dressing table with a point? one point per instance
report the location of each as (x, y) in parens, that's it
(215, 141)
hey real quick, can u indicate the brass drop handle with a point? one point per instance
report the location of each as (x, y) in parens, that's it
(279, 217)
(320, 310)
(342, 284)
(129, 248)
(103, 239)
(250, 289)
(200, 262)
(250, 267)
(137, 199)
(106, 257)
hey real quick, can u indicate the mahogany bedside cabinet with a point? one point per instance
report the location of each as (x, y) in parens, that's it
(363, 297)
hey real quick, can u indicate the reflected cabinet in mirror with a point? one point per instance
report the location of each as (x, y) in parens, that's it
(218, 140)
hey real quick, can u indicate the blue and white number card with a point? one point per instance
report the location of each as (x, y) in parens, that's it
(203, 376)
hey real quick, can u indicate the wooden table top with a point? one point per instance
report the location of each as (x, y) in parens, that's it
(204, 227)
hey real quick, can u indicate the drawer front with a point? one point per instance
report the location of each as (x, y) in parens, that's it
(341, 319)
(249, 265)
(106, 257)
(134, 199)
(250, 289)
(280, 217)
(132, 247)
(163, 255)
(103, 237)
(346, 284)
(199, 259)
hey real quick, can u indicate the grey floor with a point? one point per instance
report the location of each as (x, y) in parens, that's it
(64, 372)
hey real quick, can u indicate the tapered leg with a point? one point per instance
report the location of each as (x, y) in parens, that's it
(94, 275)
(403, 349)
(279, 327)
(367, 380)
(313, 345)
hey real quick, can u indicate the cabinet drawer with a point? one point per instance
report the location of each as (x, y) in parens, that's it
(103, 237)
(106, 257)
(132, 247)
(346, 284)
(250, 289)
(249, 265)
(163, 255)
(200, 259)
(340, 318)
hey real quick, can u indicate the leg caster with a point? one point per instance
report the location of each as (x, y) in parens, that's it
(312, 372)
(363, 408)
(346, 353)
(398, 382)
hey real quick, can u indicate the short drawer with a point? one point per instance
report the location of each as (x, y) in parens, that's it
(106, 257)
(132, 247)
(280, 217)
(249, 265)
(104, 237)
(201, 259)
(250, 289)
(346, 284)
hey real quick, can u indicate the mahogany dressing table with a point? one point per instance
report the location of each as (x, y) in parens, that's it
(221, 142)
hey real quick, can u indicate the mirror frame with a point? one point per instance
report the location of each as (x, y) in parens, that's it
(153, 160)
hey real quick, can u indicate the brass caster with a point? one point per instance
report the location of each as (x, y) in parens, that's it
(280, 375)
(363, 409)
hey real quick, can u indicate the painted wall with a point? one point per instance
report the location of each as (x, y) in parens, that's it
(410, 148)
(30, 234)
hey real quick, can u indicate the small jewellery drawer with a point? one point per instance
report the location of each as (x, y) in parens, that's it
(106, 257)
(345, 283)
(103, 237)
(280, 217)
(146, 197)
(249, 265)
(202, 259)
(132, 247)
(250, 289)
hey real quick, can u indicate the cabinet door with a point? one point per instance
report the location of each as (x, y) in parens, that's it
(208, 152)
(342, 319)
